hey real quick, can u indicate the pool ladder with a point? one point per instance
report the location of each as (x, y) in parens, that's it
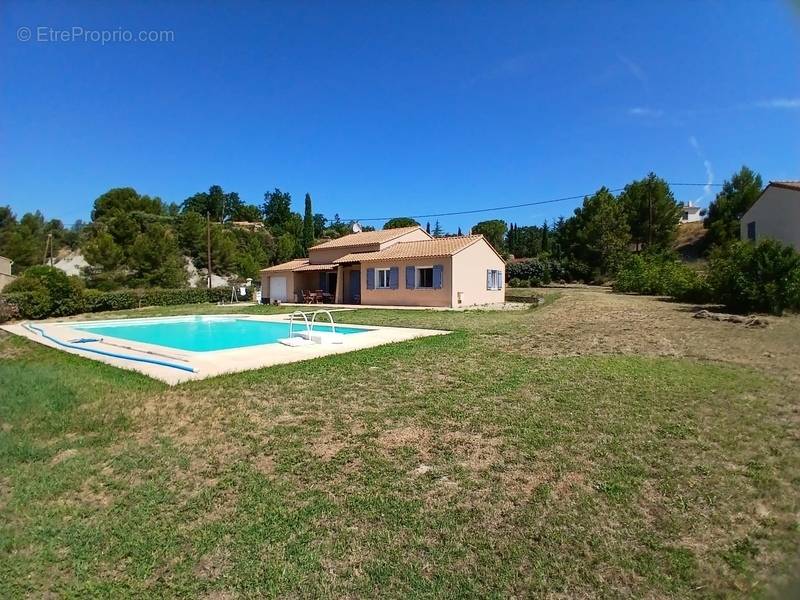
(307, 339)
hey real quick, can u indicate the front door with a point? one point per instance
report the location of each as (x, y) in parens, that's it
(355, 286)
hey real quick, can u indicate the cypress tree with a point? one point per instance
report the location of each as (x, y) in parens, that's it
(308, 225)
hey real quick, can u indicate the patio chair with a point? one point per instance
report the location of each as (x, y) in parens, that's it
(308, 297)
(319, 296)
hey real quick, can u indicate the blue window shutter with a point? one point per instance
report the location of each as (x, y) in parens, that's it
(411, 273)
(437, 276)
(499, 280)
(488, 279)
(394, 276)
(370, 279)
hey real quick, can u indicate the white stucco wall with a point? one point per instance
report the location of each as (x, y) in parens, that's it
(776, 215)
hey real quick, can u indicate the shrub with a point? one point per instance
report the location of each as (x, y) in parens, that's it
(760, 277)
(535, 271)
(51, 292)
(516, 282)
(9, 310)
(660, 275)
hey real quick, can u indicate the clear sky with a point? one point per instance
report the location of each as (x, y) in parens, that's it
(382, 109)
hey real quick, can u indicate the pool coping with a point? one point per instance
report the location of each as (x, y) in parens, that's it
(208, 363)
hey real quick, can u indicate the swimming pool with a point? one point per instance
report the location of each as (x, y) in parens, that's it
(204, 334)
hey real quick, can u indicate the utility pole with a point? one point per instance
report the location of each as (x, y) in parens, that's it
(48, 246)
(650, 216)
(208, 246)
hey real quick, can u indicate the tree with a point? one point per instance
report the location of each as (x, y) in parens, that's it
(23, 241)
(216, 203)
(545, 237)
(651, 211)
(523, 241)
(7, 217)
(102, 252)
(308, 225)
(494, 231)
(459, 232)
(286, 248)
(600, 232)
(398, 222)
(437, 230)
(125, 200)
(736, 197)
(191, 230)
(428, 227)
(319, 225)
(277, 208)
(246, 212)
(155, 258)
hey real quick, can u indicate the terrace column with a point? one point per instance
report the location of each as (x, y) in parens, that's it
(339, 297)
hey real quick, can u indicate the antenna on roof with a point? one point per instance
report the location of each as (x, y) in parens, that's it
(356, 227)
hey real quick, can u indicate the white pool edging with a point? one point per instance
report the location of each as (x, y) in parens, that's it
(205, 364)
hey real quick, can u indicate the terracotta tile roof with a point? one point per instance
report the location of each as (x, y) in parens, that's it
(322, 267)
(445, 246)
(365, 238)
(287, 266)
(791, 185)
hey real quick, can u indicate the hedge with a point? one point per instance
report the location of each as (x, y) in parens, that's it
(659, 275)
(36, 305)
(542, 270)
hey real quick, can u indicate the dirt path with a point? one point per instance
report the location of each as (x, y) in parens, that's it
(596, 321)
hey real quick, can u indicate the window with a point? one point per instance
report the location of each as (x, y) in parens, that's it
(494, 279)
(751, 231)
(685, 216)
(425, 277)
(382, 279)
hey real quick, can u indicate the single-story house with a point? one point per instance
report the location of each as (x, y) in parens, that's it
(392, 267)
(690, 212)
(776, 214)
(5, 272)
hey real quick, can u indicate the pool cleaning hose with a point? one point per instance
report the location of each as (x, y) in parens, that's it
(142, 359)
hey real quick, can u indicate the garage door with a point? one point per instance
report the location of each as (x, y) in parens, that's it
(277, 289)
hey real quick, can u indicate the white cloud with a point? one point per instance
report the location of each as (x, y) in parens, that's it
(707, 165)
(634, 69)
(644, 111)
(779, 103)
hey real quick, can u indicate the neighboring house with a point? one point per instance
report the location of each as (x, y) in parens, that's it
(690, 212)
(5, 272)
(249, 225)
(393, 267)
(776, 214)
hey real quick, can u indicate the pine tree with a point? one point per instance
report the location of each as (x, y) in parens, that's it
(652, 212)
(308, 225)
(437, 230)
(545, 237)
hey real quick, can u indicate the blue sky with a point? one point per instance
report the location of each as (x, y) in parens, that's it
(381, 109)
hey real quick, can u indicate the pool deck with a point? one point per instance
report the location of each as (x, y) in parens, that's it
(213, 363)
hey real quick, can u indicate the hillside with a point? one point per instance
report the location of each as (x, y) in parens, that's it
(690, 240)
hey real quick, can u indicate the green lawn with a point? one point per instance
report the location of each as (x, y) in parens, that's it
(464, 465)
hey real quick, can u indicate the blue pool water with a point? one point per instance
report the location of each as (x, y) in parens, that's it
(203, 334)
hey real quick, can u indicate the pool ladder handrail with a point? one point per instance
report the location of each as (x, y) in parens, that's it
(291, 322)
(330, 318)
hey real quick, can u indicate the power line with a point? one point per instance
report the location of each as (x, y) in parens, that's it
(521, 205)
